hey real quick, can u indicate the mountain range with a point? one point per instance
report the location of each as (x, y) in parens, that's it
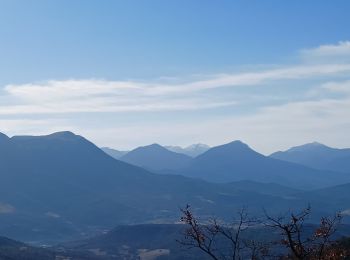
(237, 161)
(318, 156)
(191, 150)
(155, 157)
(61, 186)
(234, 161)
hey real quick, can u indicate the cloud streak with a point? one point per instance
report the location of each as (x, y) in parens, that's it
(254, 105)
(77, 96)
(329, 53)
(329, 50)
(338, 87)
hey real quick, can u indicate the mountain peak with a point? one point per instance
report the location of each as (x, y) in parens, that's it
(153, 147)
(155, 157)
(234, 148)
(63, 134)
(317, 144)
(317, 155)
(192, 150)
(308, 146)
(150, 149)
(237, 144)
(56, 135)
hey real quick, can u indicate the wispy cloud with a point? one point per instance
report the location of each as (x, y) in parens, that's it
(271, 128)
(258, 120)
(76, 96)
(256, 78)
(339, 52)
(71, 96)
(338, 87)
(342, 48)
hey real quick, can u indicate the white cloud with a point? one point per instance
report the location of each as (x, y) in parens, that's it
(328, 53)
(338, 87)
(256, 78)
(74, 96)
(271, 124)
(269, 129)
(342, 48)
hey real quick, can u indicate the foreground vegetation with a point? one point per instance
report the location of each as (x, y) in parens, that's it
(290, 237)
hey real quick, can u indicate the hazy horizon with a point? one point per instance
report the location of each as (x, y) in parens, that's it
(186, 146)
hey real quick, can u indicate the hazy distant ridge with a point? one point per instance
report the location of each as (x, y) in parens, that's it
(317, 156)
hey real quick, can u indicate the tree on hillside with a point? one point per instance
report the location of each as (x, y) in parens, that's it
(227, 241)
(222, 241)
(316, 245)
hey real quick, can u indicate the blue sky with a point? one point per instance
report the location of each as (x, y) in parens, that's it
(129, 73)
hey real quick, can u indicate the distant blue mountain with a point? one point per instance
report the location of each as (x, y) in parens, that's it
(61, 186)
(155, 157)
(191, 150)
(317, 156)
(116, 154)
(237, 161)
(61, 183)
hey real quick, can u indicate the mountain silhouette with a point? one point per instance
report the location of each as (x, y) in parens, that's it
(317, 156)
(237, 161)
(116, 154)
(61, 186)
(55, 180)
(191, 150)
(156, 157)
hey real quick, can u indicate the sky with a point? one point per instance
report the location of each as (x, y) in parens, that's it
(273, 74)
